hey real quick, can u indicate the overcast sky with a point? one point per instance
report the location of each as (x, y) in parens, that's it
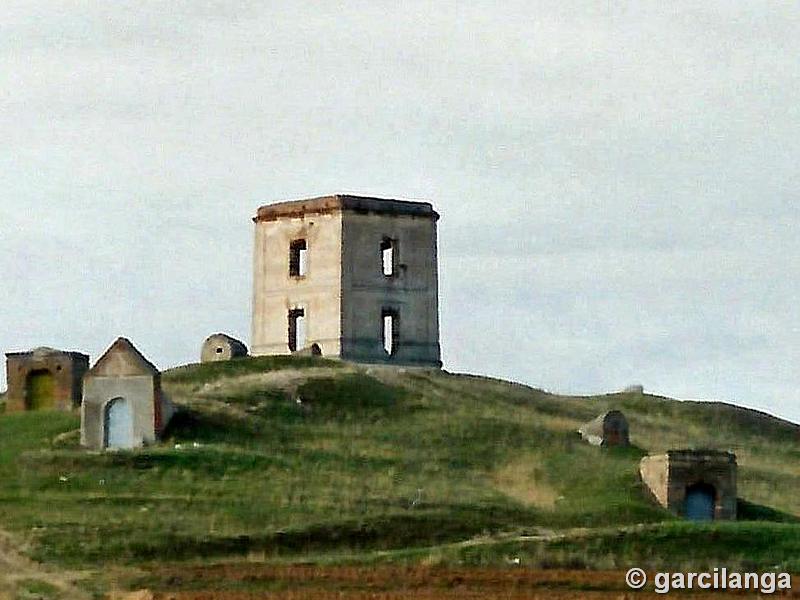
(618, 181)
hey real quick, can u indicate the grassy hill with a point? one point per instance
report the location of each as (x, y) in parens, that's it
(291, 459)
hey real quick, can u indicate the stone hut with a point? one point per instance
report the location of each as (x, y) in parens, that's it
(357, 276)
(609, 429)
(219, 347)
(123, 405)
(699, 485)
(45, 379)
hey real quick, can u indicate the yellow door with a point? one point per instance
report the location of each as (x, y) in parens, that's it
(40, 391)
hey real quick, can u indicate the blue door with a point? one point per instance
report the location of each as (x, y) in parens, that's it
(118, 424)
(700, 502)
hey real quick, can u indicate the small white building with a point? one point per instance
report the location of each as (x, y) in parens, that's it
(123, 405)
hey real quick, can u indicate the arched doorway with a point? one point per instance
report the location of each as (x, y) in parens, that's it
(700, 501)
(118, 424)
(40, 390)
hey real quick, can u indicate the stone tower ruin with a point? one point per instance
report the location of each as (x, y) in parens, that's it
(349, 277)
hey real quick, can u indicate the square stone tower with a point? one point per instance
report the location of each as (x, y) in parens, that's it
(349, 277)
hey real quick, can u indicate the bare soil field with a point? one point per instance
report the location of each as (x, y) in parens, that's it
(251, 582)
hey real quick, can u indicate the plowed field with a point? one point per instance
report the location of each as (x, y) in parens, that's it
(250, 582)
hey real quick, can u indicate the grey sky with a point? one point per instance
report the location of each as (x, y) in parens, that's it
(618, 180)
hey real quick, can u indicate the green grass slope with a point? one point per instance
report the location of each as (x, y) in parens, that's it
(301, 458)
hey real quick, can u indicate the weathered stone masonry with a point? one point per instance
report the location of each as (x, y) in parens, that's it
(44, 379)
(674, 477)
(356, 277)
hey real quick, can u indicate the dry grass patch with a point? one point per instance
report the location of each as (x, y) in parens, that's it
(524, 479)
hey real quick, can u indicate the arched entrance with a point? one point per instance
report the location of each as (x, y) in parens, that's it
(40, 390)
(700, 501)
(118, 424)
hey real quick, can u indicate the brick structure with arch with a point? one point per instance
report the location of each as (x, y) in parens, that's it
(698, 485)
(45, 379)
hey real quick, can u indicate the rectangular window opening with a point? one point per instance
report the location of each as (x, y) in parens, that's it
(297, 329)
(298, 260)
(390, 331)
(387, 257)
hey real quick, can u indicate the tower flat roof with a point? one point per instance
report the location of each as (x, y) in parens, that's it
(344, 202)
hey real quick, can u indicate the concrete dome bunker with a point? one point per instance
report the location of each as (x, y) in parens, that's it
(608, 429)
(350, 277)
(222, 347)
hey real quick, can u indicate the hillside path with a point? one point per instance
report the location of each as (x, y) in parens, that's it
(16, 568)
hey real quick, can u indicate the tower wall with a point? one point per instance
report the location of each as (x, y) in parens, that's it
(318, 292)
(411, 292)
